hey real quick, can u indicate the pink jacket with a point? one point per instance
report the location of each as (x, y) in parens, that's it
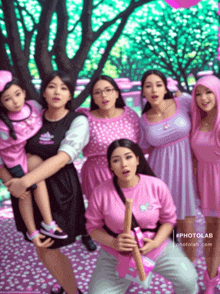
(26, 124)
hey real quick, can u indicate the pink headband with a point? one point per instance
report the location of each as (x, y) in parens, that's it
(5, 77)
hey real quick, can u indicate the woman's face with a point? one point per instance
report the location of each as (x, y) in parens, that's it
(13, 98)
(57, 94)
(205, 98)
(104, 95)
(124, 163)
(154, 89)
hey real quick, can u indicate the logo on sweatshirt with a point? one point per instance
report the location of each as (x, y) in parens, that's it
(46, 139)
(4, 136)
(146, 206)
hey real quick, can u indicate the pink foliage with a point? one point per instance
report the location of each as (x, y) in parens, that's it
(182, 3)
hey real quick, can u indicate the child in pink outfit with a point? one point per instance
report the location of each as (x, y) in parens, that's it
(206, 147)
(152, 202)
(19, 121)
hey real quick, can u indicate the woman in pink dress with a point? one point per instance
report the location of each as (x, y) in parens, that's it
(206, 147)
(109, 119)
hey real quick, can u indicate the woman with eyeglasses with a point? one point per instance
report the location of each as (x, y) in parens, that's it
(109, 119)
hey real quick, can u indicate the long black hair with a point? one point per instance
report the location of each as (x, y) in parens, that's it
(168, 95)
(4, 112)
(142, 168)
(119, 101)
(66, 79)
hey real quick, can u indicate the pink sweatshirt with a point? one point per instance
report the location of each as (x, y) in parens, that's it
(152, 202)
(26, 124)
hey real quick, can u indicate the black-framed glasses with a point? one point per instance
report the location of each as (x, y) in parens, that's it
(107, 91)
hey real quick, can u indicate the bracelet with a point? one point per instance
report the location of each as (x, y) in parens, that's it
(33, 235)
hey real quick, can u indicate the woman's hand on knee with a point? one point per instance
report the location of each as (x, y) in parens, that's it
(24, 196)
(38, 243)
(124, 242)
(16, 187)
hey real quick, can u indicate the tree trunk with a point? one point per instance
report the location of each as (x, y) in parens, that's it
(5, 62)
(42, 56)
(20, 62)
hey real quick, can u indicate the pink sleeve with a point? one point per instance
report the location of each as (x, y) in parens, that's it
(83, 110)
(186, 100)
(36, 106)
(143, 143)
(94, 215)
(137, 126)
(168, 209)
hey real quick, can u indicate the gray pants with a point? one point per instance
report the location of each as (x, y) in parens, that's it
(172, 264)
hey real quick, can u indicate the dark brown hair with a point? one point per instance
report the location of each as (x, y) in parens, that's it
(119, 102)
(66, 79)
(147, 73)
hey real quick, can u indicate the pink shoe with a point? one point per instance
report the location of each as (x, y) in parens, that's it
(210, 284)
(49, 230)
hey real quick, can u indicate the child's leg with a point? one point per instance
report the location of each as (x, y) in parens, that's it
(24, 202)
(26, 210)
(42, 200)
(40, 193)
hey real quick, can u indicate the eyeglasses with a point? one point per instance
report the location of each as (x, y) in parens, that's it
(106, 91)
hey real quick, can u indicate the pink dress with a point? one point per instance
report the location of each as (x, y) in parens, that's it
(152, 202)
(208, 172)
(102, 133)
(26, 124)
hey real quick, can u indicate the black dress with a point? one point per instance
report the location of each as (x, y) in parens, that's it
(66, 200)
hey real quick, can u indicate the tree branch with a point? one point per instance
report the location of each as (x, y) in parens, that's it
(105, 55)
(95, 6)
(75, 25)
(42, 57)
(5, 62)
(62, 60)
(20, 62)
(87, 38)
(133, 5)
(28, 34)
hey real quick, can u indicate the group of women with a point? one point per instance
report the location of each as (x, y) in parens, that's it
(113, 138)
